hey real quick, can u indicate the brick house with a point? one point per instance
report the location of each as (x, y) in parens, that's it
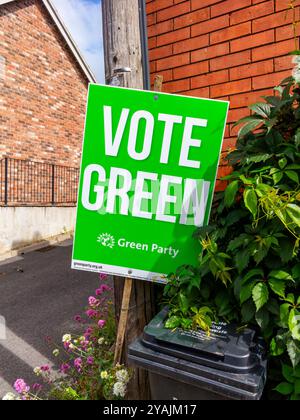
(230, 49)
(43, 88)
(43, 85)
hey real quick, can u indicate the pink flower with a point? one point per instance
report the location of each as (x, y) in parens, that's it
(85, 344)
(66, 346)
(65, 367)
(78, 364)
(37, 387)
(103, 276)
(93, 301)
(90, 360)
(101, 323)
(77, 318)
(103, 288)
(88, 332)
(45, 368)
(91, 313)
(21, 387)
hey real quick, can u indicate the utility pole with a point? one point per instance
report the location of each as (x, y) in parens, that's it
(126, 65)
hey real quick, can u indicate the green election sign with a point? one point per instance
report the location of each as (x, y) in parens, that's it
(147, 179)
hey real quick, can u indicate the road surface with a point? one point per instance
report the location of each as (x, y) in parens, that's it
(39, 297)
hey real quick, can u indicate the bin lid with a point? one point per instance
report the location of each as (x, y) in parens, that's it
(226, 348)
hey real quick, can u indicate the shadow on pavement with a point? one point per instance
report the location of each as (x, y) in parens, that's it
(39, 297)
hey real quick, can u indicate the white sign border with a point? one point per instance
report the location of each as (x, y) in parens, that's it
(123, 271)
(115, 270)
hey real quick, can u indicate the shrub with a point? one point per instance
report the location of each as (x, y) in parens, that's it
(249, 268)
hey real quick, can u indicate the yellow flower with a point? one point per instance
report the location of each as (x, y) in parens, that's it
(104, 374)
(67, 338)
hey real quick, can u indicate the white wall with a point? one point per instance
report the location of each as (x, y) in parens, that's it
(22, 226)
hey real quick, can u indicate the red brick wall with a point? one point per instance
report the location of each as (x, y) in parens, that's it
(43, 93)
(231, 49)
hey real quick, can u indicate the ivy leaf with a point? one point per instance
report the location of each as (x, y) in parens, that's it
(294, 212)
(286, 250)
(288, 373)
(183, 302)
(249, 126)
(230, 193)
(241, 240)
(262, 318)
(273, 307)
(186, 323)
(297, 387)
(234, 217)
(242, 260)
(297, 138)
(250, 200)
(276, 348)
(277, 175)
(261, 253)
(248, 311)
(294, 352)
(296, 271)
(284, 315)
(285, 388)
(246, 292)
(243, 120)
(296, 372)
(273, 100)
(278, 287)
(260, 157)
(260, 295)
(280, 275)
(255, 272)
(293, 176)
(173, 322)
(294, 324)
(282, 163)
(290, 298)
(262, 109)
(204, 231)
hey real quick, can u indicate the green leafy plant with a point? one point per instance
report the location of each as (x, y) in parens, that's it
(181, 294)
(249, 268)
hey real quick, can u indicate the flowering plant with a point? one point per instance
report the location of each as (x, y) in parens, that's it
(86, 370)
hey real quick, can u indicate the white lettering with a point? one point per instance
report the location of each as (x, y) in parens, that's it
(196, 193)
(86, 188)
(169, 120)
(134, 127)
(114, 191)
(141, 195)
(112, 147)
(164, 198)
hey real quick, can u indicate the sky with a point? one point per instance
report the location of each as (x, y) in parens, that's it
(83, 19)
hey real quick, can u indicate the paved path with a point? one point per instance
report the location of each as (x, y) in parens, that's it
(39, 297)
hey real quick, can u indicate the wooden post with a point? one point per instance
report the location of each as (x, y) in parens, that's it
(122, 41)
(123, 319)
(123, 67)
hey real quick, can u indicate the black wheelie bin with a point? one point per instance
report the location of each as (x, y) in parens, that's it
(189, 365)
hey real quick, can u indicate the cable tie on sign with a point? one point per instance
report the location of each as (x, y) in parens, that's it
(135, 306)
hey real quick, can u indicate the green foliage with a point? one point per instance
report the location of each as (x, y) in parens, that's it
(249, 268)
(182, 296)
(291, 386)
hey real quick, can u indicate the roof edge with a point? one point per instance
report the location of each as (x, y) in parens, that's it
(67, 37)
